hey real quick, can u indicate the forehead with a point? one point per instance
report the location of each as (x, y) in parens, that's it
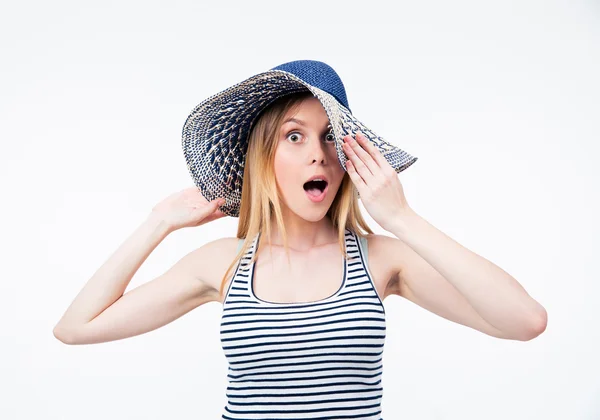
(309, 112)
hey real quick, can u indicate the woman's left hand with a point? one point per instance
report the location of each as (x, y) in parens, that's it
(377, 182)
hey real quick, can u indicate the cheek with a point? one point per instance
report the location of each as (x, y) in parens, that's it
(337, 167)
(285, 164)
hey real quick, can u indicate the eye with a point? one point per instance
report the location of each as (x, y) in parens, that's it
(294, 134)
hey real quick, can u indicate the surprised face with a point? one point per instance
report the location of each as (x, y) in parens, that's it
(306, 151)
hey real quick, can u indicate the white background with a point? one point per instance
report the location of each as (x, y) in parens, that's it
(500, 100)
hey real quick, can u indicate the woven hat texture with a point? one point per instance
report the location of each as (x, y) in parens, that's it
(215, 134)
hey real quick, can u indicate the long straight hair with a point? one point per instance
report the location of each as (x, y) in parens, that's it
(261, 197)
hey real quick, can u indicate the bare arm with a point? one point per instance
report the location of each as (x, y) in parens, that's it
(102, 312)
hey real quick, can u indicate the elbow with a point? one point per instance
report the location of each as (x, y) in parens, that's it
(63, 335)
(536, 325)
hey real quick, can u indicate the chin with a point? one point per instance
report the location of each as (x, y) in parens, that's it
(315, 217)
(315, 214)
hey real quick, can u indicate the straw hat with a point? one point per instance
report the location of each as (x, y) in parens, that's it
(215, 134)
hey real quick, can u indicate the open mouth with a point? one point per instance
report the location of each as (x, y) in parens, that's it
(315, 189)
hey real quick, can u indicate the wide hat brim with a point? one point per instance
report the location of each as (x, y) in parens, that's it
(215, 134)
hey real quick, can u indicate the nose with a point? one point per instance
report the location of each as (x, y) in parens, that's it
(317, 151)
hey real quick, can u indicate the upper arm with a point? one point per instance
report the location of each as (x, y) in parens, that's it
(181, 288)
(417, 281)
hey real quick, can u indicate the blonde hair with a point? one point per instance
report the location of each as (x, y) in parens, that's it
(260, 196)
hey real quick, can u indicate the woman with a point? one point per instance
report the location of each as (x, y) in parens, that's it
(303, 325)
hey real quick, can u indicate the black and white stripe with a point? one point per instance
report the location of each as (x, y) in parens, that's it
(309, 360)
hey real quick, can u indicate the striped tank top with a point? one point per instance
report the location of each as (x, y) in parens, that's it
(309, 360)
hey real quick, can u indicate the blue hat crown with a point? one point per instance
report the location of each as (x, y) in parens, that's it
(318, 74)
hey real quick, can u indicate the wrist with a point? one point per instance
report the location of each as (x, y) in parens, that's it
(158, 224)
(402, 221)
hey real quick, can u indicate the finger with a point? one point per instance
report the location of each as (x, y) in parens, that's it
(217, 214)
(212, 206)
(358, 147)
(214, 216)
(358, 164)
(373, 151)
(355, 177)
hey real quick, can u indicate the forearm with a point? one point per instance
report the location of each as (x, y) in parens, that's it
(110, 281)
(493, 293)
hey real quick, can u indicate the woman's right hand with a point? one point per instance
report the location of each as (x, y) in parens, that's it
(187, 208)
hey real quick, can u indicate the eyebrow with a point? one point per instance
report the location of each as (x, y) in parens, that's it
(300, 122)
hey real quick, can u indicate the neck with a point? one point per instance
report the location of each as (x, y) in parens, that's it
(302, 234)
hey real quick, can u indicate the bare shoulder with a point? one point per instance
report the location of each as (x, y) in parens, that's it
(210, 261)
(384, 257)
